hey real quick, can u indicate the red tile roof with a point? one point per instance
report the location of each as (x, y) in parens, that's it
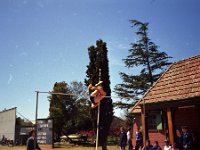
(180, 81)
(137, 109)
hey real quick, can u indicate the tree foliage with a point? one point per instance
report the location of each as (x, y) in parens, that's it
(23, 122)
(144, 56)
(71, 111)
(99, 61)
(58, 110)
(81, 118)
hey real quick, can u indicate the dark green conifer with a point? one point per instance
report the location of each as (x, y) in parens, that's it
(145, 59)
(98, 60)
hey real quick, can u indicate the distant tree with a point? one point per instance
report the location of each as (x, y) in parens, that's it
(129, 120)
(23, 122)
(144, 56)
(115, 126)
(71, 111)
(99, 60)
(58, 110)
(81, 118)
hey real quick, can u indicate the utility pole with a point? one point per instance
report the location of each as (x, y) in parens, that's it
(36, 115)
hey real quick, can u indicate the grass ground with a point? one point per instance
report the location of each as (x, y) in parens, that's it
(45, 147)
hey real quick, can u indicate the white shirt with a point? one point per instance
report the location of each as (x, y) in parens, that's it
(167, 147)
(128, 135)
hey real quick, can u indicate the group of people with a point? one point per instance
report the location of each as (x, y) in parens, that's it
(5, 141)
(184, 141)
(148, 146)
(156, 146)
(124, 138)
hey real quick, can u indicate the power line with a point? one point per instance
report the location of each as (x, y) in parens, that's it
(23, 116)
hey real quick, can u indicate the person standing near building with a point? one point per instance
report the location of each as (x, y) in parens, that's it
(147, 146)
(179, 140)
(187, 139)
(129, 139)
(31, 141)
(138, 140)
(167, 145)
(156, 146)
(122, 139)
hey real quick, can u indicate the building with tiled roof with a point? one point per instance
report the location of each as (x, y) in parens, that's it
(173, 101)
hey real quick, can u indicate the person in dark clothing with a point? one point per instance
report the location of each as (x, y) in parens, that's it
(147, 146)
(196, 139)
(187, 139)
(31, 141)
(156, 146)
(138, 140)
(179, 140)
(122, 139)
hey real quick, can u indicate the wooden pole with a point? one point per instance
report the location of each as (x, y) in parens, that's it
(144, 123)
(170, 126)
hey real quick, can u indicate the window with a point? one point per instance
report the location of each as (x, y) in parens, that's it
(154, 120)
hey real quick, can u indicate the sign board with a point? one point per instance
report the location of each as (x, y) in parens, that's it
(45, 131)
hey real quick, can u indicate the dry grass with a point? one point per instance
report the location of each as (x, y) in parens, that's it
(45, 147)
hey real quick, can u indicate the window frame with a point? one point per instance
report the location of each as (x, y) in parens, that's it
(157, 120)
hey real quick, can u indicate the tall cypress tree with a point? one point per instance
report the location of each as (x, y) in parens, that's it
(144, 56)
(99, 60)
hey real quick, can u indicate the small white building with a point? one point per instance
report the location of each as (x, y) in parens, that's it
(7, 124)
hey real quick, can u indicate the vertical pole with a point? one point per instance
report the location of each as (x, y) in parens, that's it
(98, 116)
(144, 123)
(36, 115)
(170, 125)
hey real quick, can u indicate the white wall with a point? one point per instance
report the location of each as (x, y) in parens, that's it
(7, 123)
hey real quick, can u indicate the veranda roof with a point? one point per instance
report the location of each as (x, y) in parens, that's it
(180, 81)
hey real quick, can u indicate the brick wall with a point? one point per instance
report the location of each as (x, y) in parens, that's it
(136, 125)
(153, 135)
(187, 117)
(157, 136)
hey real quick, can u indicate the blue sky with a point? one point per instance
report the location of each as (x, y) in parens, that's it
(46, 41)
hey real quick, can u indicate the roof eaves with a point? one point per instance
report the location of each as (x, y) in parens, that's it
(176, 99)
